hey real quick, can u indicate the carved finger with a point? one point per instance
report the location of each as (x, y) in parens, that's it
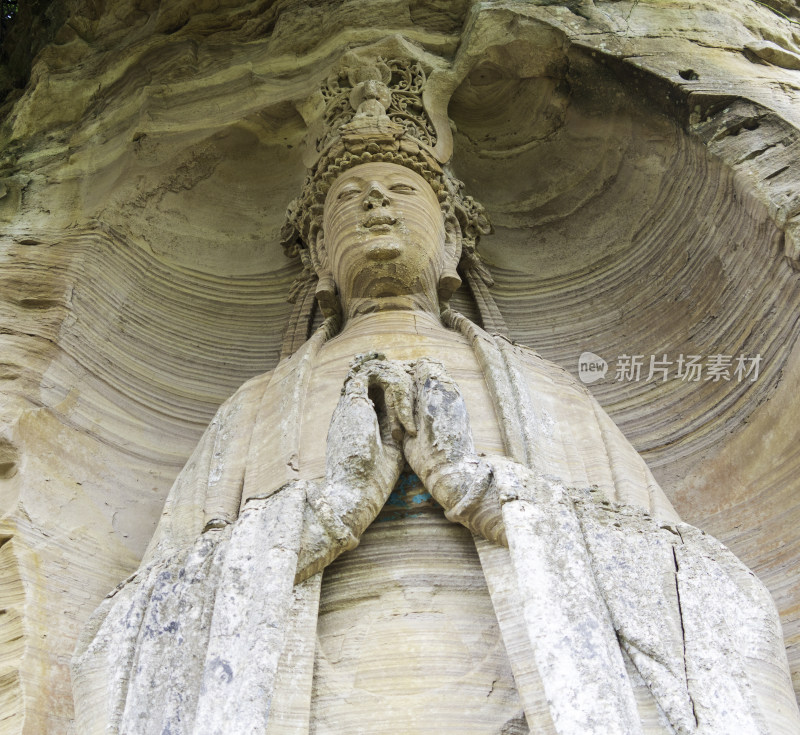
(390, 387)
(361, 451)
(440, 412)
(354, 436)
(397, 391)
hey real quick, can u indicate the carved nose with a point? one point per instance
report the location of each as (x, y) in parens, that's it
(376, 197)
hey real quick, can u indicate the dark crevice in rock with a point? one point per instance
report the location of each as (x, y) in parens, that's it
(776, 173)
(664, 95)
(786, 8)
(441, 16)
(8, 463)
(683, 630)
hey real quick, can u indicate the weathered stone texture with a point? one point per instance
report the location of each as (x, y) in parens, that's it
(638, 160)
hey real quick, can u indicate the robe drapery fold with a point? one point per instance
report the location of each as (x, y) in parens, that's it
(215, 639)
(609, 606)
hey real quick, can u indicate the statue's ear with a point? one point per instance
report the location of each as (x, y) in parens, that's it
(449, 281)
(326, 286)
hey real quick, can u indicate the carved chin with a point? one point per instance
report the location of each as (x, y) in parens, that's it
(387, 286)
(383, 250)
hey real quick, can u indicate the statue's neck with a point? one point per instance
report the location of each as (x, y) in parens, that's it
(356, 307)
(393, 321)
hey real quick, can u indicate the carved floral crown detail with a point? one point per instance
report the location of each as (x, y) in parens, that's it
(374, 112)
(397, 86)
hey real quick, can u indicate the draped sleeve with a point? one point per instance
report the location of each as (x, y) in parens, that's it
(209, 487)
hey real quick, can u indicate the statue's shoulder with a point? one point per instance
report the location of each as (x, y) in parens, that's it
(248, 392)
(256, 384)
(268, 385)
(532, 363)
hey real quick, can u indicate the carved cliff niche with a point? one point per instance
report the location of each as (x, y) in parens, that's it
(639, 179)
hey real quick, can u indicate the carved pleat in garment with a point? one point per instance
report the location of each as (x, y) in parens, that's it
(636, 621)
(213, 611)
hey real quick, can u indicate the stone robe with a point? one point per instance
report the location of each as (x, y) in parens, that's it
(615, 616)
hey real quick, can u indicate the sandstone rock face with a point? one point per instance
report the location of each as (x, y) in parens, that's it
(638, 161)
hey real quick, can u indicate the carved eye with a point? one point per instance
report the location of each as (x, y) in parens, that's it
(348, 193)
(401, 188)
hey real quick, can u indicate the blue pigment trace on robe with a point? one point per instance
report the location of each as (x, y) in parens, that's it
(409, 499)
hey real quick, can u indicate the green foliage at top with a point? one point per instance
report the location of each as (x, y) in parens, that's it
(9, 10)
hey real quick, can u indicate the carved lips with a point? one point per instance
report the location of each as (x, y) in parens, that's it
(378, 222)
(381, 223)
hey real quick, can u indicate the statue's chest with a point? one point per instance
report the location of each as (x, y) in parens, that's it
(406, 625)
(333, 362)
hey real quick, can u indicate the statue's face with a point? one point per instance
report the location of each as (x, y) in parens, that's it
(384, 232)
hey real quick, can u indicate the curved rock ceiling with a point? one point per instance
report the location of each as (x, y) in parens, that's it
(619, 234)
(639, 170)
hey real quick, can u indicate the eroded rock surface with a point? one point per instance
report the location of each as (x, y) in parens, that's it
(638, 161)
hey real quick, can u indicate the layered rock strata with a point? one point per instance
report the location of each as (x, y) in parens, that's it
(638, 161)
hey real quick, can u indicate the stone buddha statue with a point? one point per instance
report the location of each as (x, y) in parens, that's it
(412, 525)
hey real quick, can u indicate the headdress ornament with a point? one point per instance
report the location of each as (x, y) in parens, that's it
(374, 111)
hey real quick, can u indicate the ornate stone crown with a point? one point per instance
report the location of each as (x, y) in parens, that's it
(374, 112)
